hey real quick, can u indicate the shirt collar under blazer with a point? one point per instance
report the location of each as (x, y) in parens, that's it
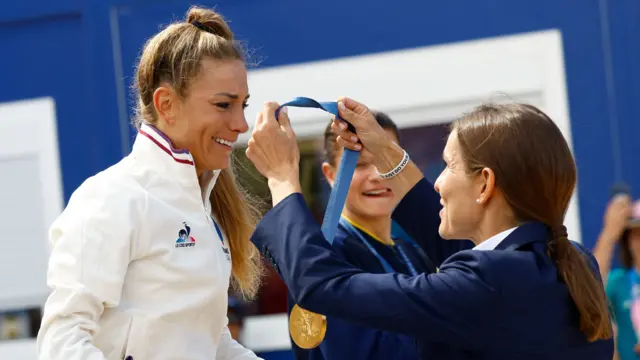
(155, 149)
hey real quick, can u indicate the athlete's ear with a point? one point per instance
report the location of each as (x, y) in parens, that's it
(329, 173)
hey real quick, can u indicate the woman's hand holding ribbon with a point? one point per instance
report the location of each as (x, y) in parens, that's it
(370, 134)
(372, 140)
(274, 151)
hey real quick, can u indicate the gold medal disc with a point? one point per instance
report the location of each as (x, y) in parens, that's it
(307, 329)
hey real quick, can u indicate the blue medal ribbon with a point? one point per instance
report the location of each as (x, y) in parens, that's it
(346, 168)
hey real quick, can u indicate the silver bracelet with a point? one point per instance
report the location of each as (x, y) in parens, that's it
(395, 171)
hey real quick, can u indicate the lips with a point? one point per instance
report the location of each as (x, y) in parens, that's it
(377, 192)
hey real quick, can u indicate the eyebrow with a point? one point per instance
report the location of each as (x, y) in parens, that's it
(230, 95)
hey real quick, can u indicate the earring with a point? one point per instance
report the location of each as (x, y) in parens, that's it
(477, 201)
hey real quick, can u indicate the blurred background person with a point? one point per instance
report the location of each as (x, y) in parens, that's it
(622, 227)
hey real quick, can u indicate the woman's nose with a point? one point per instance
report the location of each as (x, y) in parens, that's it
(239, 124)
(436, 184)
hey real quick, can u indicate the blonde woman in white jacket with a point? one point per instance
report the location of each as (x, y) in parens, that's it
(144, 253)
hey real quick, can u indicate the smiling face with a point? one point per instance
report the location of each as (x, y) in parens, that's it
(369, 195)
(210, 117)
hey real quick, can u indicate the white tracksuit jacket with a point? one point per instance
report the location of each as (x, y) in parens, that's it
(137, 268)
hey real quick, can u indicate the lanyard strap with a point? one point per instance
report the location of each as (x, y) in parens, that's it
(385, 264)
(406, 260)
(346, 169)
(215, 224)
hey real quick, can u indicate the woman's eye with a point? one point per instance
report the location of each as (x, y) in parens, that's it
(223, 105)
(245, 105)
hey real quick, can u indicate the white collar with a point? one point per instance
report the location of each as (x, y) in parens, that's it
(492, 242)
(163, 142)
(176, 164)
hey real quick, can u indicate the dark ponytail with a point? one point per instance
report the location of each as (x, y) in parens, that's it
(585, 288)
(535, 170)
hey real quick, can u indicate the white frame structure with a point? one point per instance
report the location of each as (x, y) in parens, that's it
(28, 130)
(418, 87)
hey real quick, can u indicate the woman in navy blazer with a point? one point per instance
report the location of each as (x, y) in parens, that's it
(523, 292)
(365, 239)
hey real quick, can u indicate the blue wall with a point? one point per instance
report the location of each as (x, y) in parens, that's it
(82, 53)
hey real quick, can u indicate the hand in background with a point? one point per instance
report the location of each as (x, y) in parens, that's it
(616, 216)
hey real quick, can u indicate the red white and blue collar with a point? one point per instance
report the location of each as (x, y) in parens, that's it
(182, 156)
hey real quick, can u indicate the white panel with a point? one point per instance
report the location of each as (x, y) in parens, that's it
(31, 193)
(18, 350)
(263, 333)
(422, 86)
(22, 258)
(455, 76)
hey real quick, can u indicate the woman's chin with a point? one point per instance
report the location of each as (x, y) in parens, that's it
(376, 211)
(444, 232)
(378, 205)
(218, 161)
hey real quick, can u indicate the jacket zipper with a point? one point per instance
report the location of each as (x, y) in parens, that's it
(206, 203)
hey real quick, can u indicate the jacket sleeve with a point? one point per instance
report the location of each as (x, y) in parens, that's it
(229, 349)
(418, 213)
(90, 251)
(372, 343)
(452, 306)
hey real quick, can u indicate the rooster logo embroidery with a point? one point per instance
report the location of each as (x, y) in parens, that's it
(184, 237)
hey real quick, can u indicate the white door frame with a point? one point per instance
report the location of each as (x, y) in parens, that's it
(28, 131)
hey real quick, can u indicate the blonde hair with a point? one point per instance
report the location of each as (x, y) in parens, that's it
(173, 56)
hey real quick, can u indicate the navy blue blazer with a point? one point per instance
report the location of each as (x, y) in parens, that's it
(347, 341)
(501, 304)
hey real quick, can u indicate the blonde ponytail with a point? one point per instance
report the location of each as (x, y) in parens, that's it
(238, 215)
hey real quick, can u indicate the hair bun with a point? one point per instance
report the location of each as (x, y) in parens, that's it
(213, 22)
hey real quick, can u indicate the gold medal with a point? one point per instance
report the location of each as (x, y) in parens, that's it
(307, 329)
